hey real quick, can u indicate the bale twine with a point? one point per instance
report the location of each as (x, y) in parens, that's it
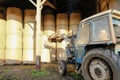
(2, 35)
(74, 22)
(14, 36)
(62, 27)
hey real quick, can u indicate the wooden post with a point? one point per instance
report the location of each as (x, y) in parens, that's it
(38, 29)
(39, 6)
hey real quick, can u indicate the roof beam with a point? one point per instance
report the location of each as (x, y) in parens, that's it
(33, 3)
(50, 4)
(44, 2)
(41, 4)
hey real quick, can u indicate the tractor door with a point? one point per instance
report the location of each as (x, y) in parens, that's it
(83, 38)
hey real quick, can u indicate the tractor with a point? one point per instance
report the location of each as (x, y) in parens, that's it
(95, 49)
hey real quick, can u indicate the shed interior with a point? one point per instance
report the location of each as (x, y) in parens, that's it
(19, 28)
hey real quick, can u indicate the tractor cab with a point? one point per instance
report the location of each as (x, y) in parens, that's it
(99, 31)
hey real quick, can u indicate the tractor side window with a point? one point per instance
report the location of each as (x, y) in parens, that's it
(116, 24)
(100, 29)
(83, 34)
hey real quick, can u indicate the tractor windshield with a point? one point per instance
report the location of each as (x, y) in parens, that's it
(116, 25)
(100, 29)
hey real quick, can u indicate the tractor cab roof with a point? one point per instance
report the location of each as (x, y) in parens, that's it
(111, 11)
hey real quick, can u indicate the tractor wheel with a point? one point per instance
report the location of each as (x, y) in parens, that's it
(99, 64)
(62, 67)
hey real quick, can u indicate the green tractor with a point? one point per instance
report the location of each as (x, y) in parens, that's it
(95, 49)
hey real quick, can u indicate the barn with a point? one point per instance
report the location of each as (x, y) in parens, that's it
(25, 26)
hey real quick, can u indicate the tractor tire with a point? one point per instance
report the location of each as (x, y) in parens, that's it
(62, 68)
(99, 64)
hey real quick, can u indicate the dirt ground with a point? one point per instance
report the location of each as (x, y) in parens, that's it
(28, 72)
